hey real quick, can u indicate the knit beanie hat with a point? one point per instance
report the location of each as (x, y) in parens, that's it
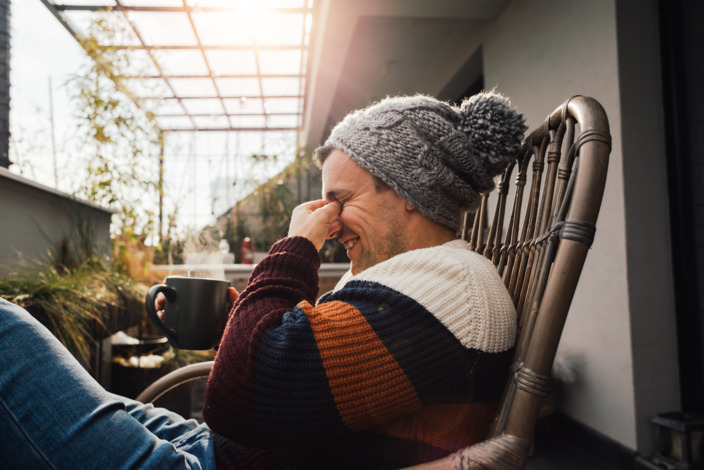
(436, 156)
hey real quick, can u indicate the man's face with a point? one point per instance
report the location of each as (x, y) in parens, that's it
(371, 225)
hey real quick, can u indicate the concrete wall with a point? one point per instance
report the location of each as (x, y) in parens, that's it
(34, 219)
(541, 52)
(4, 83)
(649, 254)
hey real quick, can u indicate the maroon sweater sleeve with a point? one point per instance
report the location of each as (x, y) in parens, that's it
(286, 276)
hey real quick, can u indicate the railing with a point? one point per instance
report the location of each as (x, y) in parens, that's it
(238, 274)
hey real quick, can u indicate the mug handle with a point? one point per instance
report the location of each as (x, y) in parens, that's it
(170, 294)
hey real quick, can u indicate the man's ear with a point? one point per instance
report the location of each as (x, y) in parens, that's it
(409, 207)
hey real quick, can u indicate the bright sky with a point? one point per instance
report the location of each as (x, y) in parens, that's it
(41, 50)
(200, 169)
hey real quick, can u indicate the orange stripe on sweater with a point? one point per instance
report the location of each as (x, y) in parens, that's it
(445, 426)
(368, 385)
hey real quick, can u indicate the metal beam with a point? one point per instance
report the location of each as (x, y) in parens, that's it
(165, 115)
(216, 47)
(173, 9)
(244, 75)
(238, 97)
(233, 129)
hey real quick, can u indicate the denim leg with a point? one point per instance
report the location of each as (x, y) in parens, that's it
(163, 423)
(54, 415)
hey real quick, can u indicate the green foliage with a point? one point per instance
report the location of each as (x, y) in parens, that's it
(258, 158)
(76, 296)
(122, 140)
(169, 251)
(276, 202)
(333, 251)
(235, 233)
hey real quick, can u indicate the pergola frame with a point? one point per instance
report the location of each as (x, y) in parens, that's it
(63, 10)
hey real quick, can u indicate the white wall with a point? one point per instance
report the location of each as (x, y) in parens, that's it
(541, 52)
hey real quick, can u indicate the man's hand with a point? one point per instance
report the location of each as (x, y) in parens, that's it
(160, 302)
(313, 220)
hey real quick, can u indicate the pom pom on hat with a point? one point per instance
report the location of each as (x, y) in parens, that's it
(495, 130)
(438, 157)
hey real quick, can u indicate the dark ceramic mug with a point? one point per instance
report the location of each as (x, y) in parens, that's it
(195, 312)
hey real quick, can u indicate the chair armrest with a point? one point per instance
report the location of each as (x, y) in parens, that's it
(174, 379)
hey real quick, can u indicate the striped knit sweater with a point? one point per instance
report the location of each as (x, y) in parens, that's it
(400, 364)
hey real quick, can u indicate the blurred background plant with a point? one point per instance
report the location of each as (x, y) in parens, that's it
(122, 143)
(76, 293)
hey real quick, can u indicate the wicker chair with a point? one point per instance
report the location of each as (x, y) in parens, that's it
(537, 238)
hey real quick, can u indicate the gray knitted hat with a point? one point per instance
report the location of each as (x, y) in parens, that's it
(438, 157)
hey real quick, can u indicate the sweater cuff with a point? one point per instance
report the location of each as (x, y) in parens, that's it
(299, 245)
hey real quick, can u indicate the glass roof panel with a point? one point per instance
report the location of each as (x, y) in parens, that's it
(81, 21)
(211, 122)
(244, 106)
(119, 32)
(281, 30)
(230, 62)
(174, 122)
(247, 121)
(282, 121)
(265, 4)
(136, 63)
(166, 106)
(279, 62)
(203, 106)
(223, 27)
(282, 105)
(201, 87)
(281, 86)
(210, 3)
(181, 62)
(238, 86)
(152, 3)
(109, 3)
(148, 88)
(164, 28)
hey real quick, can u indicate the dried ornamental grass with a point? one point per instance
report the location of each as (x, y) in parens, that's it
(78, 305)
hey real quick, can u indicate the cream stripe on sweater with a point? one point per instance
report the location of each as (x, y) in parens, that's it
(461, 288)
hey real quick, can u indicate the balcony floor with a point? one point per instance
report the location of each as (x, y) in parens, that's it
(562, 444)
(555, 453)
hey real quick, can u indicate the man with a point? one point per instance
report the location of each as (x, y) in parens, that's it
(405, 360)
(401, 363)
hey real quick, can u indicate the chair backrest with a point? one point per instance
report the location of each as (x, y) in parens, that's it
(537, 236)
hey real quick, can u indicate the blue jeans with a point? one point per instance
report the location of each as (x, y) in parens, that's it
(54, 415)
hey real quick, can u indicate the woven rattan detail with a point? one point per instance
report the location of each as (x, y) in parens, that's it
(505, 452)
(533, 383)
(579, 232)
(590, 135)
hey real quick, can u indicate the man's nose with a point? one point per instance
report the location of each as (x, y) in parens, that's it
(334, 227)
